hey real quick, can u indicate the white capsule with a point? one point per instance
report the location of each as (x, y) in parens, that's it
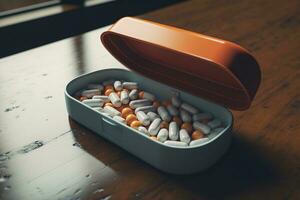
(185, 116)
(143, 130)
(163, 113)
(115, 100)
(201, 127)
(184, 136)
(139, 103)
(95, 86)
(175, 143)
(124, 97)
(119, 119)
(152, 116)
(108, 82)
(214, 123)
(118, 85)
(202, 116)
(90, 93)
(133, 94)
(215, 132)
(172, 110)
(145, 109)
(189, 108)
(105, 99)
(142, 117)
(176, 101)
(163, 135)
(130, 85)
(173, 131)
(147, 95)
(111, 111)
(93, 102)
(154, 127)
(199, 141)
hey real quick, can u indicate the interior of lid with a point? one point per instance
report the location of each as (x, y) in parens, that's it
(200, 77)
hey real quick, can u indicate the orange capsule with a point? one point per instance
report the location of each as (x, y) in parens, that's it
(166, 103)
(121, 108)
(164, 124)
(82, 98)
(130, 118)
(156, 104)
(177, 120)
(109, 104)
(141, 94)
(108, 91)
(126, 111)
(188, 127)
(135, 124)
(108, 87)
(197, 135)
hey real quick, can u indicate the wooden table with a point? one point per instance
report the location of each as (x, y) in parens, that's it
(46, 155)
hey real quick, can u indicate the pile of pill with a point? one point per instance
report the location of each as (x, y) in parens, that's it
(172, 122)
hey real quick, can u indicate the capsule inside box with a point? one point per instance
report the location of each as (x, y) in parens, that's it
(200, 69)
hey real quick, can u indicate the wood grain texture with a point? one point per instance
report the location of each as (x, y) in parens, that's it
(68, 161)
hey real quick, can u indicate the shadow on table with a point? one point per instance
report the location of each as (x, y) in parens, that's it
(244, 167)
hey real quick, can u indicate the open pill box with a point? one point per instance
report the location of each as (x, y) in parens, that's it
(207, 73)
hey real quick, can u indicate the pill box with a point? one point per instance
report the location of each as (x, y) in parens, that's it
(212, 74)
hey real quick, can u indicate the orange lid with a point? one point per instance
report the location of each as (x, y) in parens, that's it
(214, 69)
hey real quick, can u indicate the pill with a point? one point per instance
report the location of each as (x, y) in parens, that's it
(197, 135)
(176, 101)
(135, 124)
(184, 136)
(153, 138)
(108, 91)
(115, 100)
(119, 93)
(109, 104)
(152, 115)
(130, 118)
(121, 107)
(130, 85)
(172, 110)
(133, 94)
(164, 124)
(145, 109)
(199, 141)
(202, 117)
(105, 99)
(93, 102)
(185, 116)
(154, 127)
(139, 103)
(162, 135)
(90, 93)
(146, 95)
(118, 85)
(175, 143)
(166, 103)
(82, 98)
(143, 130)
(126, 111)
(187, 126)
(145, 119)
(156, 104)
(111, 111)
(95, 86)
(108, 82)
(119, 119)
(109, 87)
(201, 127)
(163, 113)
(177, 120)
(214, 123)
(124, 97)
(189, 108)
(173, 131)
